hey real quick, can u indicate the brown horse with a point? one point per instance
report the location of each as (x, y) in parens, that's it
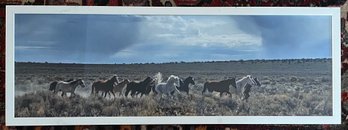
(106, 86)
(119, 87)
(222, 86)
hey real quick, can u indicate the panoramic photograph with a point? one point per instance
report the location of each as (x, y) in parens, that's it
(89, 65)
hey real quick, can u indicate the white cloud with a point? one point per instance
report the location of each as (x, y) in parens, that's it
(31, 47)
(196, 31)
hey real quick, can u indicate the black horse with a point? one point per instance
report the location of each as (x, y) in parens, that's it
(143, 87)
(222, 86)
(184, 85)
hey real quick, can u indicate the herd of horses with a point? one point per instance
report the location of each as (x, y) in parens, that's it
(156, 85)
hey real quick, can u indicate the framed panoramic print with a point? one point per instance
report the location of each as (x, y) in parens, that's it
(135, 65)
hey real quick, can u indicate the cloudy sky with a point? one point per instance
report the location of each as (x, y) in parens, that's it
(112, 39)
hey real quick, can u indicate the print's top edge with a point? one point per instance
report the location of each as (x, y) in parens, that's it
(172, 10)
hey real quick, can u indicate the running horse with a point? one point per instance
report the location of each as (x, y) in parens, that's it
(168, 87)
(184, 85)
(222, 86)
(66, 87)
(119, 87)
(106, 86)
(244, 86)
(143, 87)
(54, 84)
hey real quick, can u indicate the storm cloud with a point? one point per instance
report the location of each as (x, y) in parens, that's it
(290, 36)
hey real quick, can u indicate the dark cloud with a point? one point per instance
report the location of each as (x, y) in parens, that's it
(290, 36)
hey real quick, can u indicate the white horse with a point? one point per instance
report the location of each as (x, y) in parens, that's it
(244, 85)
(168, 87)
(69, 86)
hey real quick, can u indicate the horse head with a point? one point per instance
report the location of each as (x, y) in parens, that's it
(53, 86)
(148, 80)
(81, 83)
(249, 80)
(126, 81)
(148, 84)
(232, 82)
(175, 80)
(114, 79)
(257, 82)
(190, 80)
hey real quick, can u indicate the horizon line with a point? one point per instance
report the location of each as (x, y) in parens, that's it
(172, 62)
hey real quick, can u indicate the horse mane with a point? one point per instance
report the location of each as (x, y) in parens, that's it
(182, 82)
(75, 82)
(248, 76)
(187, 79)
(171, 77)
(125, 81)
(116, 79)
(257, 81)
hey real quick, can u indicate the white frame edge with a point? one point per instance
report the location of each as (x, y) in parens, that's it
(11, 120)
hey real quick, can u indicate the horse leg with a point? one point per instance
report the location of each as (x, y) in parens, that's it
(186, 90)
(229, 94)
(126, 93)
(105, 93)
(92, 89)
(204, 89)
(108, 92)
(221, 94)
(72, 93)
(96, 93)
(246, 97)
(133, 93)
(113, 94)
(63, 94)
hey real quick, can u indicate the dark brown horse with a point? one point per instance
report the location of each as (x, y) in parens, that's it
(222, 86)
(119, 87)
(143, 87)
(106, 86)
(184, 85)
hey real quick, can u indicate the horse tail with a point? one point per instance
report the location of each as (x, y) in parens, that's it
(123, 90)
(93, 87)
(127, 90)
(53, 86)
(158, 78)
(177, 88)
(204, 87)
(154, 89)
